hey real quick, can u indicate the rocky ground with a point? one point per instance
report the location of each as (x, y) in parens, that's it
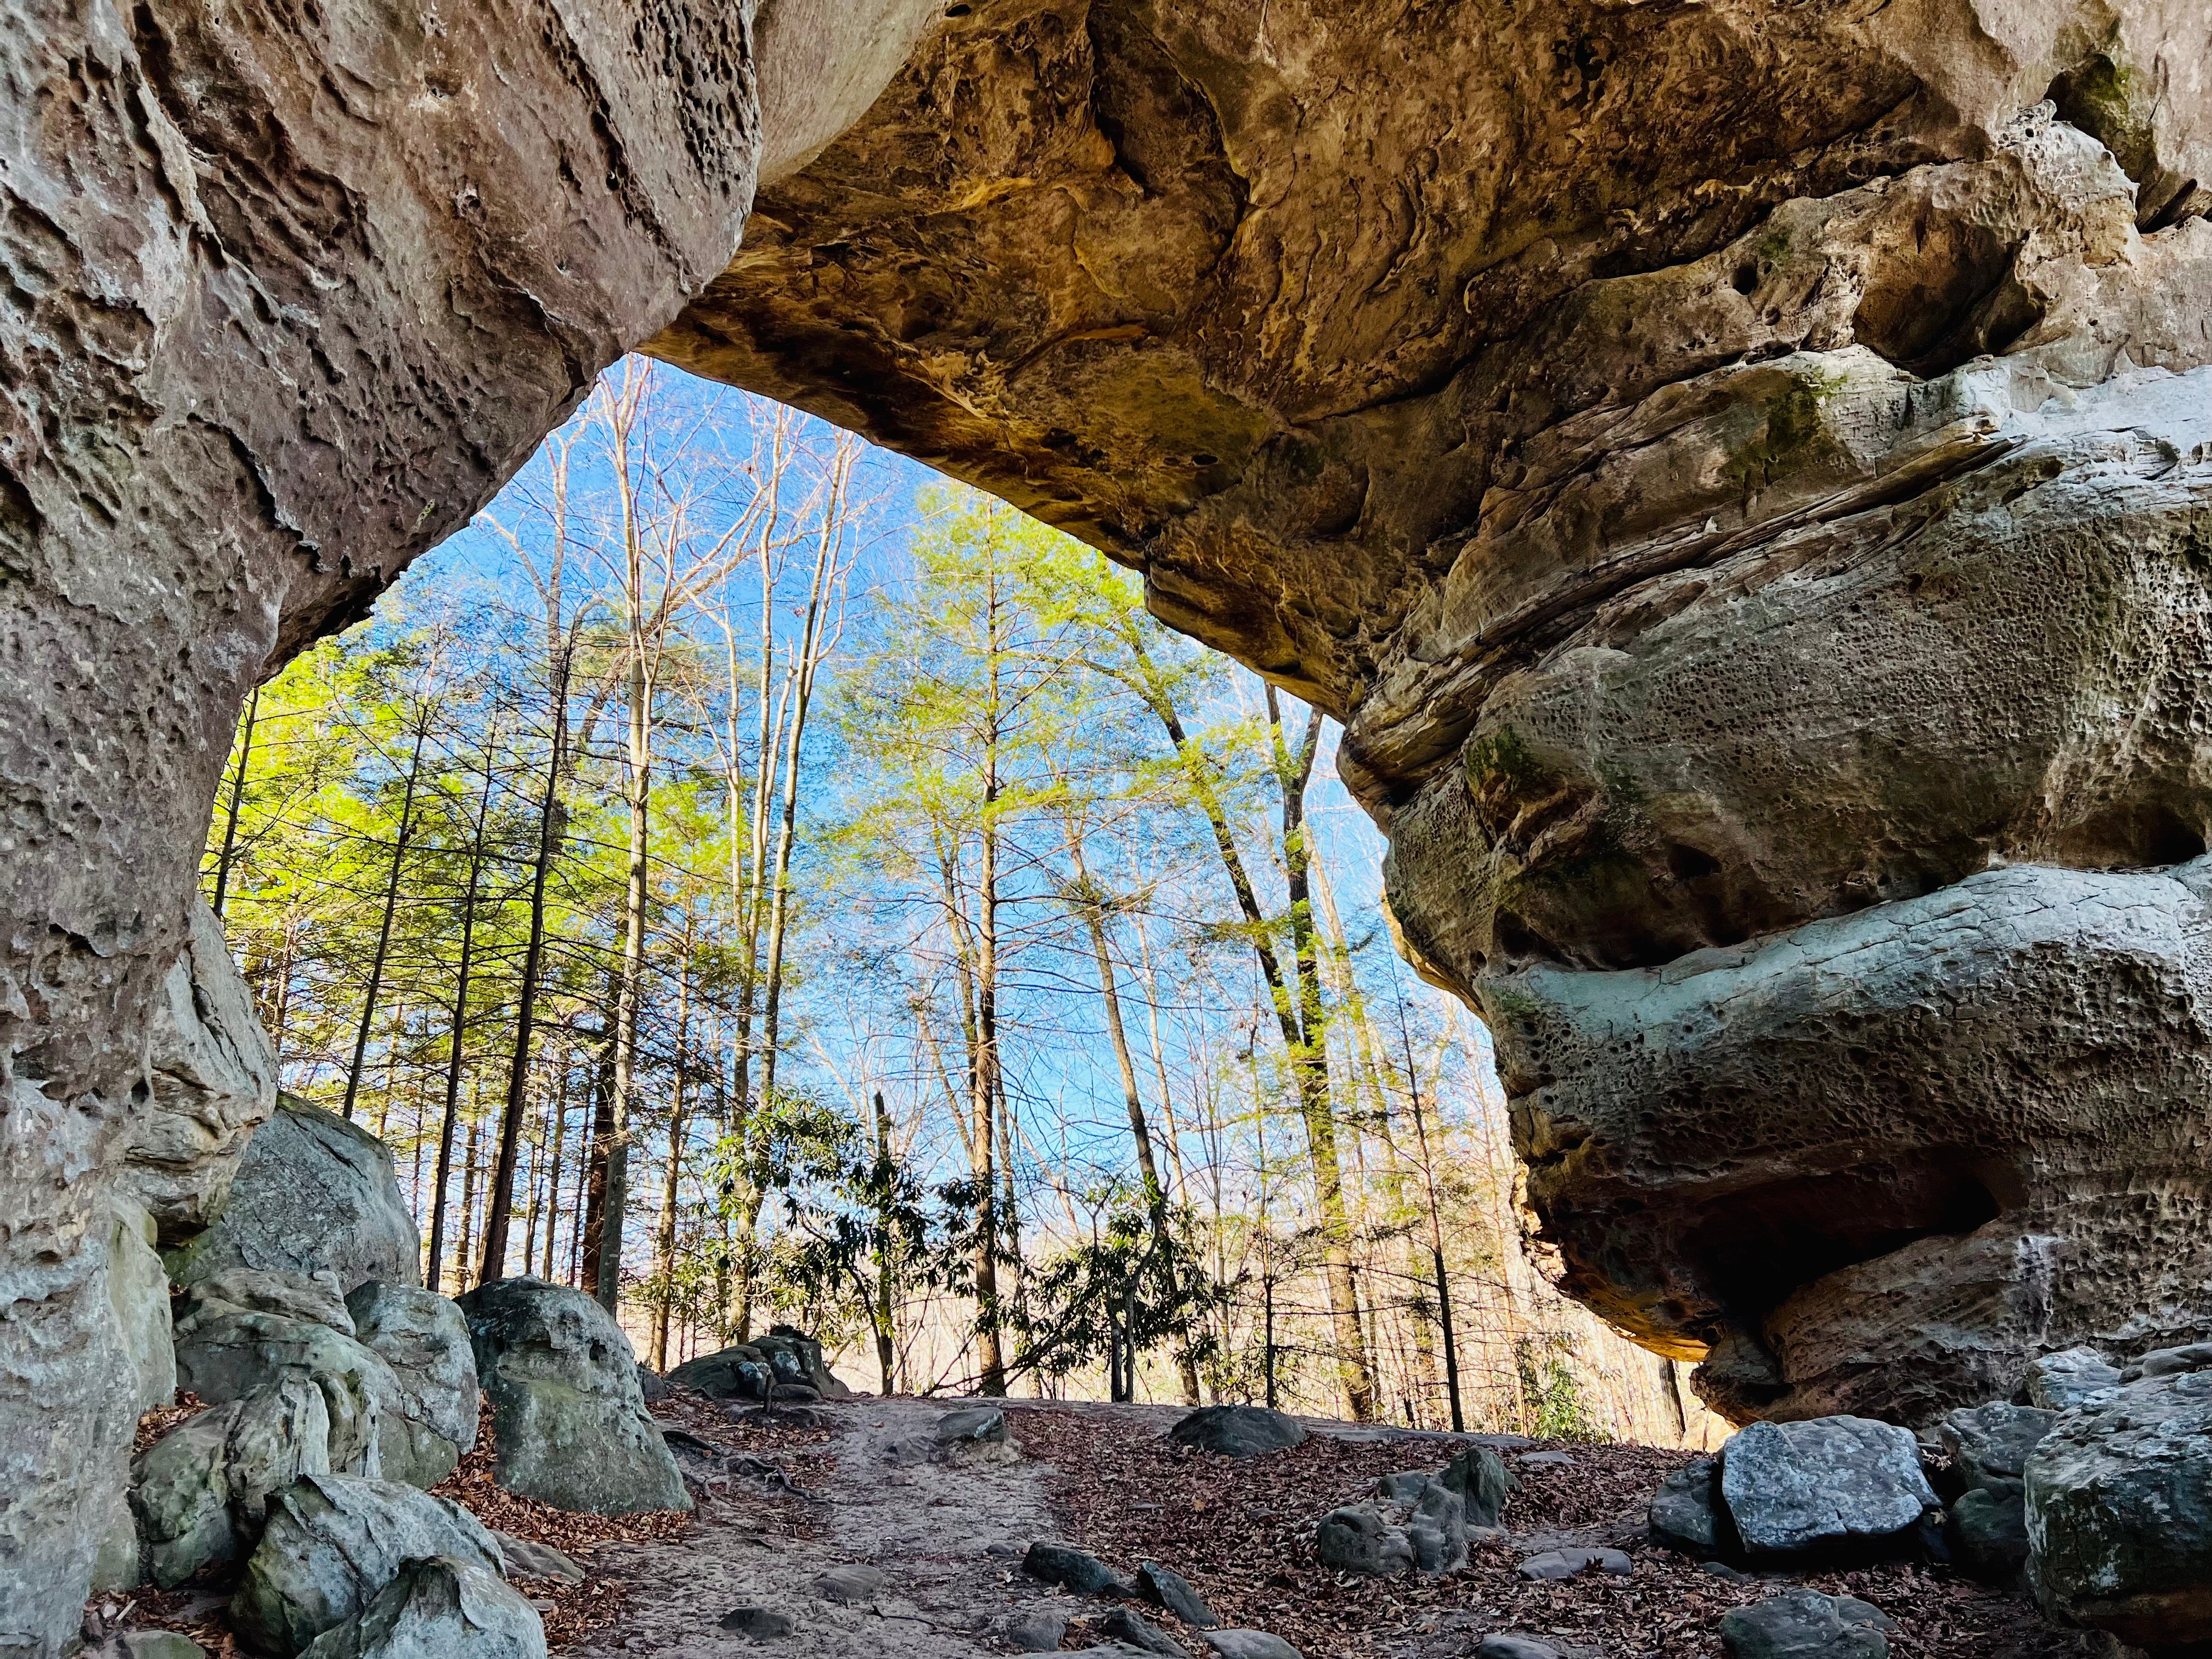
(789, 1501)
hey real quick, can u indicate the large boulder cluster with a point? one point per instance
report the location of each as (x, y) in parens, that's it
(784, 1367)
(337, 1391)
(2093, 1488)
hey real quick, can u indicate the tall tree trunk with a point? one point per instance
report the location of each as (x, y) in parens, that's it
(991, 1360)
(630, 1001)
(802, 695)
(1309, 1063)
(557, 1143)
(590, 1255)
(886, 1336)
(456, 1050)
(469, 1171)
(533, 957)
(1092, 904)
(666, 1242)
(237, 800)
(1292, 998)
(384, 929)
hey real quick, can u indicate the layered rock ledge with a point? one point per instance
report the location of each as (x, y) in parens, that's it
(1739, 476)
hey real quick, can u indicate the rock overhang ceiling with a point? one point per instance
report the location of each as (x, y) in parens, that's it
(1735, 469)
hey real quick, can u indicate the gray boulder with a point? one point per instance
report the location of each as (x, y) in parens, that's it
(158, 1645)
(331, 1547)
(315, 1297)
(1685, 1513)
(1171, 1590)
(1572, 1563)
(138, 1291)
(757, 1624)
(651, 1387)
(1807, 1625)
(439, 1608)
(568, 1424)
(423, 1337)
(1133, 1629)
(313, 1194)
(198, 1494)
(2170, 1362)
(1250, 1644)
(527, 1559)
(1987, 1531)
(1073, 1568)
(1032, 1630)
(212, 1074)
(973, 1424)
(2060, 1382)
(976, 1434)
(854, 1584)
(2119, 1523)
(1991, 1442)
(1480, 1476)
(1239, 1430)
(1357, 1539)
(225, 1354)
(783, 1357)
(1507, 1646)
(1828, 1486)
(1437, 1529)
(1404, 1487)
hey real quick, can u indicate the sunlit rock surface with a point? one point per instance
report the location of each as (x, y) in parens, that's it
(1741, 476)
(285, 294)
(1731, 468)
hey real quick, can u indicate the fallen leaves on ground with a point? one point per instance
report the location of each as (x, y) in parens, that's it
(1242, 1531)
(156, 1423)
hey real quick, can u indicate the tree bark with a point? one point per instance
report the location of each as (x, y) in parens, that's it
(237, 800)
(533, 957)
(667, 1242)
(456, 1051)
(1309, 1063)
(384, 929)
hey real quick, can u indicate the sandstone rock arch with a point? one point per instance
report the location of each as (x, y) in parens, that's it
(1739, 471)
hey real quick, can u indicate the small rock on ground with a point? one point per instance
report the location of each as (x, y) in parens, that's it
(852, 1584)
(1544, 1460)
(1077, 1569)
(1807, 1625)
(1175, 1593)
(1565, 1563)
(1032, 1630)
(1123, 1626)
(161, 1645)
(762, 1624)
(1239, 1430)
(1515, 1647)
(1250, 1644)
(530, 1560)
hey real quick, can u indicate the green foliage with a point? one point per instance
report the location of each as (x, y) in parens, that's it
(1553, 1406)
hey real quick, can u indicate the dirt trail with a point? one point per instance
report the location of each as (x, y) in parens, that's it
(948, 1537)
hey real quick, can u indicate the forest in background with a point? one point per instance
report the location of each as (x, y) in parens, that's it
(755, 883)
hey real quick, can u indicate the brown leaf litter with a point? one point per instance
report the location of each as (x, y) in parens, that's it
(1242, 1530)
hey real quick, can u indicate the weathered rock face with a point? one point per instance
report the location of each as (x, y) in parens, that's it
(2119, 1513)
(284, 297)
(199, 1493)
(1734, 471)
(568, 1423)
(313, 1194)
(330, 1548)
(1739, 478)
(435, 1607)
(214, 1081)
(423, 1338)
